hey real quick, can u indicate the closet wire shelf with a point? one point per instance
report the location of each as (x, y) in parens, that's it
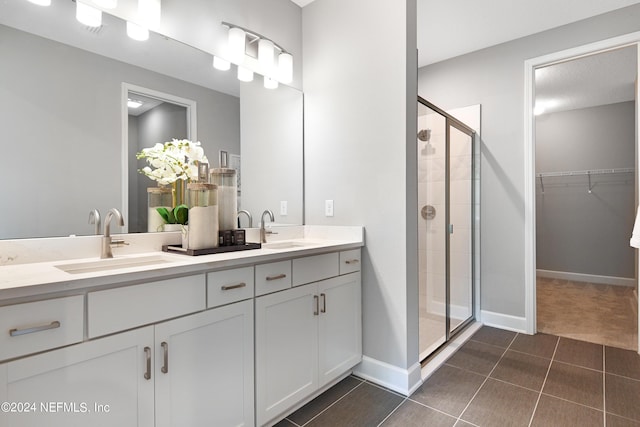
(588, 173)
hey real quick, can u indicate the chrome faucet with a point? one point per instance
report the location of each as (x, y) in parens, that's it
(248, 214)
(94, 218)
(263, 232)
(106, 238)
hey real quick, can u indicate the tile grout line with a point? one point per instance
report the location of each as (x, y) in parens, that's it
(391, 413)
(535, 408)
(336, 401)
(486, 379)
(604, 385)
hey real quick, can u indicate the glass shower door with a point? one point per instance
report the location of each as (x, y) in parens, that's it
(445, 198)
(460, 227)
(432, 245)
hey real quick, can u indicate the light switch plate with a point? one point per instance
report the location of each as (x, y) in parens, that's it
(283, 208)
(328, 208)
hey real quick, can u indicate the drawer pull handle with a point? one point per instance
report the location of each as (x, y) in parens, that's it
(17, 332)
(352, 261)
(236, 286)
(147, 354)
(317, 305)
(279, 276)
(324, 303)
(165, 366)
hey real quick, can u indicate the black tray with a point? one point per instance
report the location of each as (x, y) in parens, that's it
(219, 250)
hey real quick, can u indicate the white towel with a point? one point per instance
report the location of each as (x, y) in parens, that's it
(635, 237)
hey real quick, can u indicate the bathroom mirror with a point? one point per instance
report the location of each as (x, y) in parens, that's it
(61, 86)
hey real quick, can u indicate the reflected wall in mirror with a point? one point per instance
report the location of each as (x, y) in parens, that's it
(62, 123)
(153, 117)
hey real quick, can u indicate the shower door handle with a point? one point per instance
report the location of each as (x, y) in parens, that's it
(450, 228)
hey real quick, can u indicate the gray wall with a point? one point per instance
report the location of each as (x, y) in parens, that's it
(61, 124)
(578, 231)
(272, 145)
(360, 124)
(160, 124)
(494, 77)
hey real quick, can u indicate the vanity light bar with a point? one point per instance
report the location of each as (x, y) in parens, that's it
(238, 38)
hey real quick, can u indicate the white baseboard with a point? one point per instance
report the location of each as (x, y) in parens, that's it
(403, 381)
(592, 278)
(504, 321)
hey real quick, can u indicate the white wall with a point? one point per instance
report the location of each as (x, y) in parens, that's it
(360, 125)
(494, 77)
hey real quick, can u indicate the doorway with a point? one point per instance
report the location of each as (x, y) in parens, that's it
(581, 193)
(148, 117)
(446, 182)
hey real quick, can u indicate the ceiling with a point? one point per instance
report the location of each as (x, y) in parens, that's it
(600, 79)
(495, 22)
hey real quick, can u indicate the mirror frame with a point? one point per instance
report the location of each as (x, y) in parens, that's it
(192, 132)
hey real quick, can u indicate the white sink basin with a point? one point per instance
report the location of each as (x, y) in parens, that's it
(284, 245)
(112, 264)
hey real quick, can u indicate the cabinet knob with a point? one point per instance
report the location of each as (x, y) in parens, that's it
(324, 303)
(352, 261)
(276, 277)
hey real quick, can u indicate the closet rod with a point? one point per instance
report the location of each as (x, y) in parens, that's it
(586, 172)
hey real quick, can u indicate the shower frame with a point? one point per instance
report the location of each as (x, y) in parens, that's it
(452, 122)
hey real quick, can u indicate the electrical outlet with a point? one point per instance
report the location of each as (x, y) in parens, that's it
(283, 208)
(328, 208)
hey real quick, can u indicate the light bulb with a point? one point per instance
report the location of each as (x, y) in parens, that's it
(285, 67)
(265, 54)
(150, 12)
(270, 83)
(137, 32)
(221, 64)
(237, 39)
(87, 15)
(244, 74)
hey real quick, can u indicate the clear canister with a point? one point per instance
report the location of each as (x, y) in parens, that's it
(203, 216)
(226, 181)
(157, 197)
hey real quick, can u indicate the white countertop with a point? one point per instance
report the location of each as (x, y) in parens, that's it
(31, 279)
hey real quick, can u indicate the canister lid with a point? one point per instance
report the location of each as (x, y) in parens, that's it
(223, 171)
(201, 186)
(158, 190)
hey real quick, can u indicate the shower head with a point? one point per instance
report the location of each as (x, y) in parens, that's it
(424, 135)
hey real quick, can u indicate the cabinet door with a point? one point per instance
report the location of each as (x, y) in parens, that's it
(340, 326)
(286, 350)
(208, 380)
(96, 383)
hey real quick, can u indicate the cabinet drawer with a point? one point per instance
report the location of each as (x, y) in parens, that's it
(225, 287)
(313, 268)
(37, 326)
(350, 261)
(118, 309)
(273, 277)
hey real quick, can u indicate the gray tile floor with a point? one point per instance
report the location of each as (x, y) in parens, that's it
(498, 378)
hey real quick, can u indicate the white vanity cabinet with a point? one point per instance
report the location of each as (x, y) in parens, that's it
(306, 337)
(96, 383)
(210, 347)
(204, 368)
